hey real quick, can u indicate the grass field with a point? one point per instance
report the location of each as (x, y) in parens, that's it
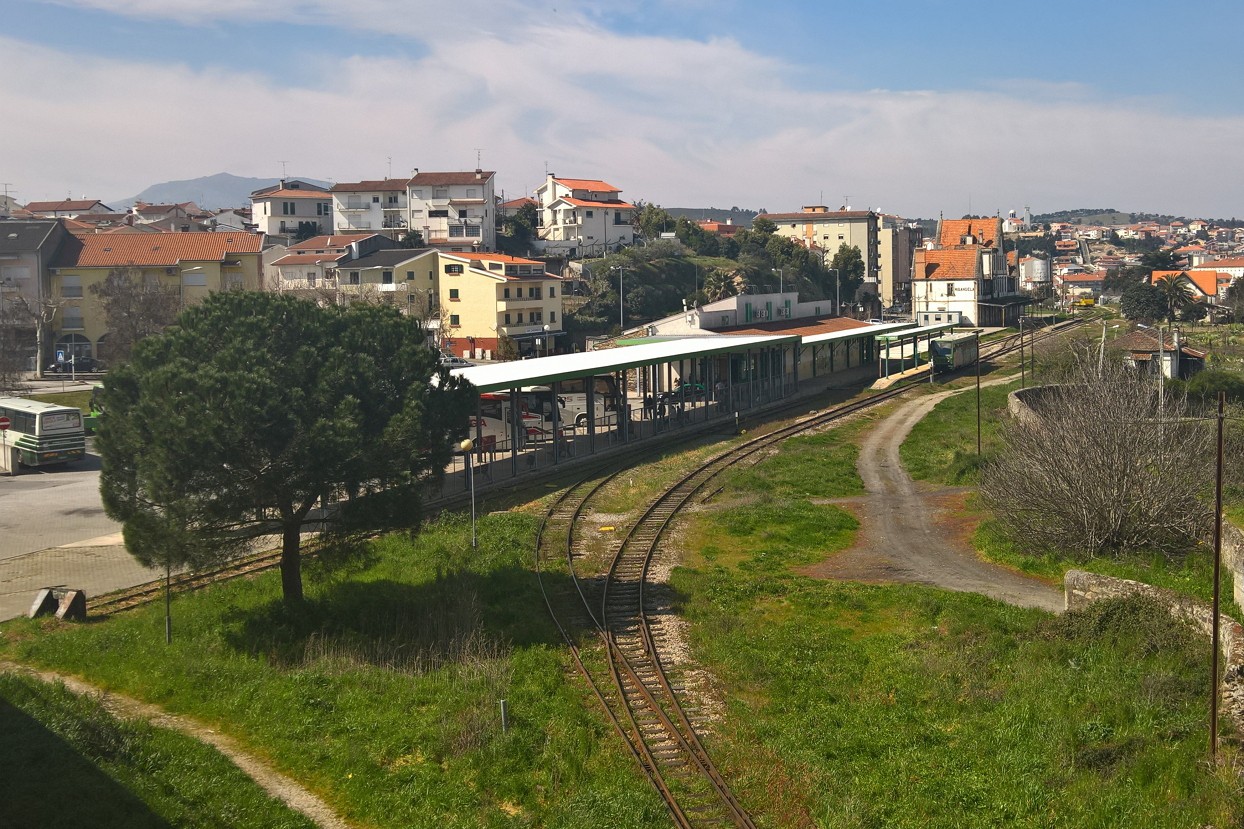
(65, 760)
(80, 399)
(850, 705)
(941, 448)
(383, 693)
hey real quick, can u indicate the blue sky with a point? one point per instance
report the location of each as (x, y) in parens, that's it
(910, 107)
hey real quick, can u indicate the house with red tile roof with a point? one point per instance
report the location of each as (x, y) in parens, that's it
(455, 211)
(67, 208)
(291, 208)
(965, 270)
(1208, 286)
(194, 264)
(582, 217)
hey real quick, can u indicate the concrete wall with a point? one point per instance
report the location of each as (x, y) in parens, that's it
(1081, 589)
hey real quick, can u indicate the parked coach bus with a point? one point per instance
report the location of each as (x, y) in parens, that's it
(43, 433)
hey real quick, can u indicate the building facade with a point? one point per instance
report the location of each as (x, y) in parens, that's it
(817, 227)
(290, 208)
(965, 272)
(370, 205)
(454, 211)
(582, 217)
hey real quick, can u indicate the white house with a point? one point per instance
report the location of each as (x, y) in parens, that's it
(370, 205)
(582, 217)
(454, 211)
(291, 207)
(965, 272)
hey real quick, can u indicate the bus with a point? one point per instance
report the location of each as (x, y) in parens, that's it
(495, 425)
(43, 433)
(572, 397)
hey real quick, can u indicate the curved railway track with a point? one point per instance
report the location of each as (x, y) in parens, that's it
(625, 671)
(605, 619)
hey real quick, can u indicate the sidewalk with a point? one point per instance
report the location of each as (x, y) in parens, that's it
(97, 566)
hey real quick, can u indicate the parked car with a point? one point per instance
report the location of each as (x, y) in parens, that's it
(454, 361)
(684, 391)
(77, 364)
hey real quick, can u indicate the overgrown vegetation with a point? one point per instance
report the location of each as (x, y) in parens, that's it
(382, 690)
(850, 705)
(64, 759)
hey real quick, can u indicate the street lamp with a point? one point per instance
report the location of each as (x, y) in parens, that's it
(466, 446)
(778, 271)
(621, 269)
(547, 328)
(1101, 352)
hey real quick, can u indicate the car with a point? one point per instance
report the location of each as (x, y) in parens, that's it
(454, 361)
(685, 391)
(77, 364)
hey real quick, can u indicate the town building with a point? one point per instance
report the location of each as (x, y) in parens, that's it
(454, 211)
(582, 217)
(311, 265)
(194, 264)
(817, 227)
(27, 250)
(964, 272)
(67, 208)
(292, 208)
(370, 205)
(486, 296)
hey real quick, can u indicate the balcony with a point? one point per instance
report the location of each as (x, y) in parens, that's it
(354, 208)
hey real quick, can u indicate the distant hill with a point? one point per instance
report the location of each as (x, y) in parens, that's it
(208, 192)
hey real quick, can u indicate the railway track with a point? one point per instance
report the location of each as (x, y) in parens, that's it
(643, 697)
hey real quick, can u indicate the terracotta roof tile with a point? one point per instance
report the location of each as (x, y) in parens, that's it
(947, 264)
(433, 179)
(340, 240)
(374, 186)
(593, 184)
(106, 250)
(286, 193)
(589, 203)
(803, 327)
(985, 231)
(66, 204)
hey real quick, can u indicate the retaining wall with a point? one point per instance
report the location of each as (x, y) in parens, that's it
(1081, 588)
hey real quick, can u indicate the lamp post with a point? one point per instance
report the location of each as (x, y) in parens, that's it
(547, 328)
(621, 269)
(466, 446)
(1101, 351)
(781, 277)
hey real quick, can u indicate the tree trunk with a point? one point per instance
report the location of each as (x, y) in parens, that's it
(291, 561)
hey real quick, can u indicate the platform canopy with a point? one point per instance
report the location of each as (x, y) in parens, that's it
(922, 331)
(854, 333)
(544, 370)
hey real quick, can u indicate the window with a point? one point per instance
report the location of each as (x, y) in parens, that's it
(453, 269)
(840, 237)
(71, 286)
(520, 317)
(354, 277)
(537, 316)
(456, 231)
(282, 230)
(71, 319)
(416, 194)
(552, 316)
(505, 293)
(392, 199)
(464, 213)
(950, 289)
(552, 292)
(494, 266)
(507, 319)
(533, 293)
(440, 193)
(589, 214)
(410, 275)
(453, 295)
(288, 208)
(438, 214)
(194, 280)
(473, 230)
(455, 320)
(386, 277)
(471, 193)
(375, 200)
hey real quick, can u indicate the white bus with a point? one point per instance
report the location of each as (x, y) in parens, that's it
(572, 400)
(43, 433)
(494, 427)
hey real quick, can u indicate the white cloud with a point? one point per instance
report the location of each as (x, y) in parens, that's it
(677, 122)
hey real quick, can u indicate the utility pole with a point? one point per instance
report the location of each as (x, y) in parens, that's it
(1213, 680)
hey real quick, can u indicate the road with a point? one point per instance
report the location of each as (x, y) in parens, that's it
(53, 532)
(909, 534)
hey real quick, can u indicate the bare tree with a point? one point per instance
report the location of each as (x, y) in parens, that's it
(12, 354)
(1094, 467)
(42, 314)
(134, 307)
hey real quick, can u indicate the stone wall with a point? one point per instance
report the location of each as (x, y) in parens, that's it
(1081, 588)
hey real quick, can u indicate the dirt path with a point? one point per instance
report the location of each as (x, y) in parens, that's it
(274, 783)
(910, 535)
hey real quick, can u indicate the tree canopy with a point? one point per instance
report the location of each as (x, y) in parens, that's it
(134, 308)
(236, 421)
(1141, 301)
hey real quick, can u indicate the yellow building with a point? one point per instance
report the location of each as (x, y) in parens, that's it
(487, 296)
(195, 264)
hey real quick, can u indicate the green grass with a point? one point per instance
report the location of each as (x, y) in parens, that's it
(853, 705)
(814, 466)
(80, 399)
(942, 446)
(382, 693)
(64, 759)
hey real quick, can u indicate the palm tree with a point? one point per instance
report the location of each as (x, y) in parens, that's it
(718, 285)
(1176, 291)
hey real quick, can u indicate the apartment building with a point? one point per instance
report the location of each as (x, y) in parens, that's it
(455, 211)
(292, 207)
(370, 205)
(582, 217)
(819, 228)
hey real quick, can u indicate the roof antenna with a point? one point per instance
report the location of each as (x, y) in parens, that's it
(478, 152)
(283, 163)
(390, 175)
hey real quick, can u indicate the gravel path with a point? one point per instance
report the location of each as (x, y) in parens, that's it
(274, 783)
(915, 536)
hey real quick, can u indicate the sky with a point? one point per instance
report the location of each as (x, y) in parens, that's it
(912, 108)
